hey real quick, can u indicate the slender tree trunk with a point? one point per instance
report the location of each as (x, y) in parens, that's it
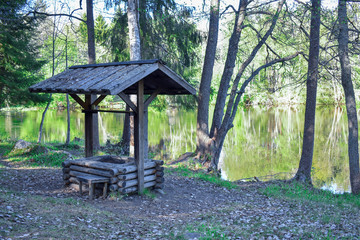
(52, 74)
(229, 68)
(353, 148)
(304, 172)
(226, 120)
(135, 55)
(202, 130)
(67, 95)
(43, 118)
(92, 60)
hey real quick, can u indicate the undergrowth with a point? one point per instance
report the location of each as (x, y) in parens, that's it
(198, 174)
(301, 192)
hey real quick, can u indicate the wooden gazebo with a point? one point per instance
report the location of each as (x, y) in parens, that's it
(147, 77)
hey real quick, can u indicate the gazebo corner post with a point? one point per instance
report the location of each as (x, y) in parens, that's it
(89, 135)
(139, 136)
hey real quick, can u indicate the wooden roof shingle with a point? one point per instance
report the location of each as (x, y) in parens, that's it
(114, 78)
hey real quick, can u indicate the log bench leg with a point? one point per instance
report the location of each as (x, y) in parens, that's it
(105, 190)
(80, 187)
(91, 190)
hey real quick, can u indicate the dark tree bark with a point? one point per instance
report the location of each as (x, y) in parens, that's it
(304, 172)
(202, 130)
(223, 123)
(229, 68)
(92, 60)
(353, 147)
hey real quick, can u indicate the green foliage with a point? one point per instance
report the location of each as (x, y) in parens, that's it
(301, 192)
(19, 67)
(187, 172)
(51, 159)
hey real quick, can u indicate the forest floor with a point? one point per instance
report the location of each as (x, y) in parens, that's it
(34, 204)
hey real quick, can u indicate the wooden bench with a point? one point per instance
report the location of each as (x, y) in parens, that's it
(91, 181)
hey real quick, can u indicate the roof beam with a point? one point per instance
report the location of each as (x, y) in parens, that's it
(128, 101)
(151, 98)
(98, 100)
(78, 100)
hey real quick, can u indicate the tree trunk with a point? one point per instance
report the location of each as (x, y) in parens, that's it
(43, 118)
(135, 55)
(304, 172)
(229, 68)
(353, 148)
(220, 132)
(92, 60)
(202, 130)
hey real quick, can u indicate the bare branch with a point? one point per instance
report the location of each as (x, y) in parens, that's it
(56, 14)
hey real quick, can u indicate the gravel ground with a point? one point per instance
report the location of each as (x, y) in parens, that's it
(34, 204)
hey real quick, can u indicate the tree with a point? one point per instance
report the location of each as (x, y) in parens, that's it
(353, 147)
(202, 129)
(224, 117)
(19, 64)
(304, 172)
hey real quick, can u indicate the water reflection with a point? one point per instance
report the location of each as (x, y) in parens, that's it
(265, 142)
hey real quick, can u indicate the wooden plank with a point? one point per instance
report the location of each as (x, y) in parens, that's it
(115, 77)
(49, 81)
(134, 182)
(89, 137)
(64, 80)
(134, 189)
(98, 77)
(128, 101)
(91, 171)
(130, 176)
(72, 80)
(84, 81)
(139, 146)
(78, 100)
(111, 111)
(131, 80)
(127, 76)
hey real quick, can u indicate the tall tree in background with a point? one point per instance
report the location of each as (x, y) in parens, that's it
(304, 171)
(92, 60)
(353, 147)
(18, 55)
(202, 128)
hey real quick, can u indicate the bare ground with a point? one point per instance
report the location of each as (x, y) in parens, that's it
(34, 204)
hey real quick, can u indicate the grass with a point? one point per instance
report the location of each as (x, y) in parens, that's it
(301, 192)
(198, 174)
(37, 155)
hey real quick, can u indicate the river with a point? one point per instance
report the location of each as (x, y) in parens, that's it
(264, 142)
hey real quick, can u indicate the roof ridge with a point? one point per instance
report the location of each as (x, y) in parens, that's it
(148, 61)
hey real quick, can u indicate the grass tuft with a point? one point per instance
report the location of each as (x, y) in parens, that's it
(301, 192)
(213, 178)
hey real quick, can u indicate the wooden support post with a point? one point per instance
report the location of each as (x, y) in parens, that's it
(89, 137)
(95, 124)
(139, 136)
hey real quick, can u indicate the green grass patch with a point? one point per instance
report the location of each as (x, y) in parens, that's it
(301, 192)
(51, 159)
(5, 148)
(198, 174)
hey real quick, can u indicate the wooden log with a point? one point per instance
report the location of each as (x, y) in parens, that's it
(66, 170)
(114, 169)
(159, 186)
(160, 180)
(134, 182)
(133, 175)
(158, 162)
(159, 174)
(113, 180)
(67, 182)
(66, 164)
(74, 180)
(158, 168)
(91, 171)
(135, 189)
(113, 187)
(66, 176)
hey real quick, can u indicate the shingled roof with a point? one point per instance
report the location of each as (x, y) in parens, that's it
(114, 78)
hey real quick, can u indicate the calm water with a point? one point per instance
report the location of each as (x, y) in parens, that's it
(265, 143)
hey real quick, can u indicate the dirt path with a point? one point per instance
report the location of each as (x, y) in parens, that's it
(189, 209)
